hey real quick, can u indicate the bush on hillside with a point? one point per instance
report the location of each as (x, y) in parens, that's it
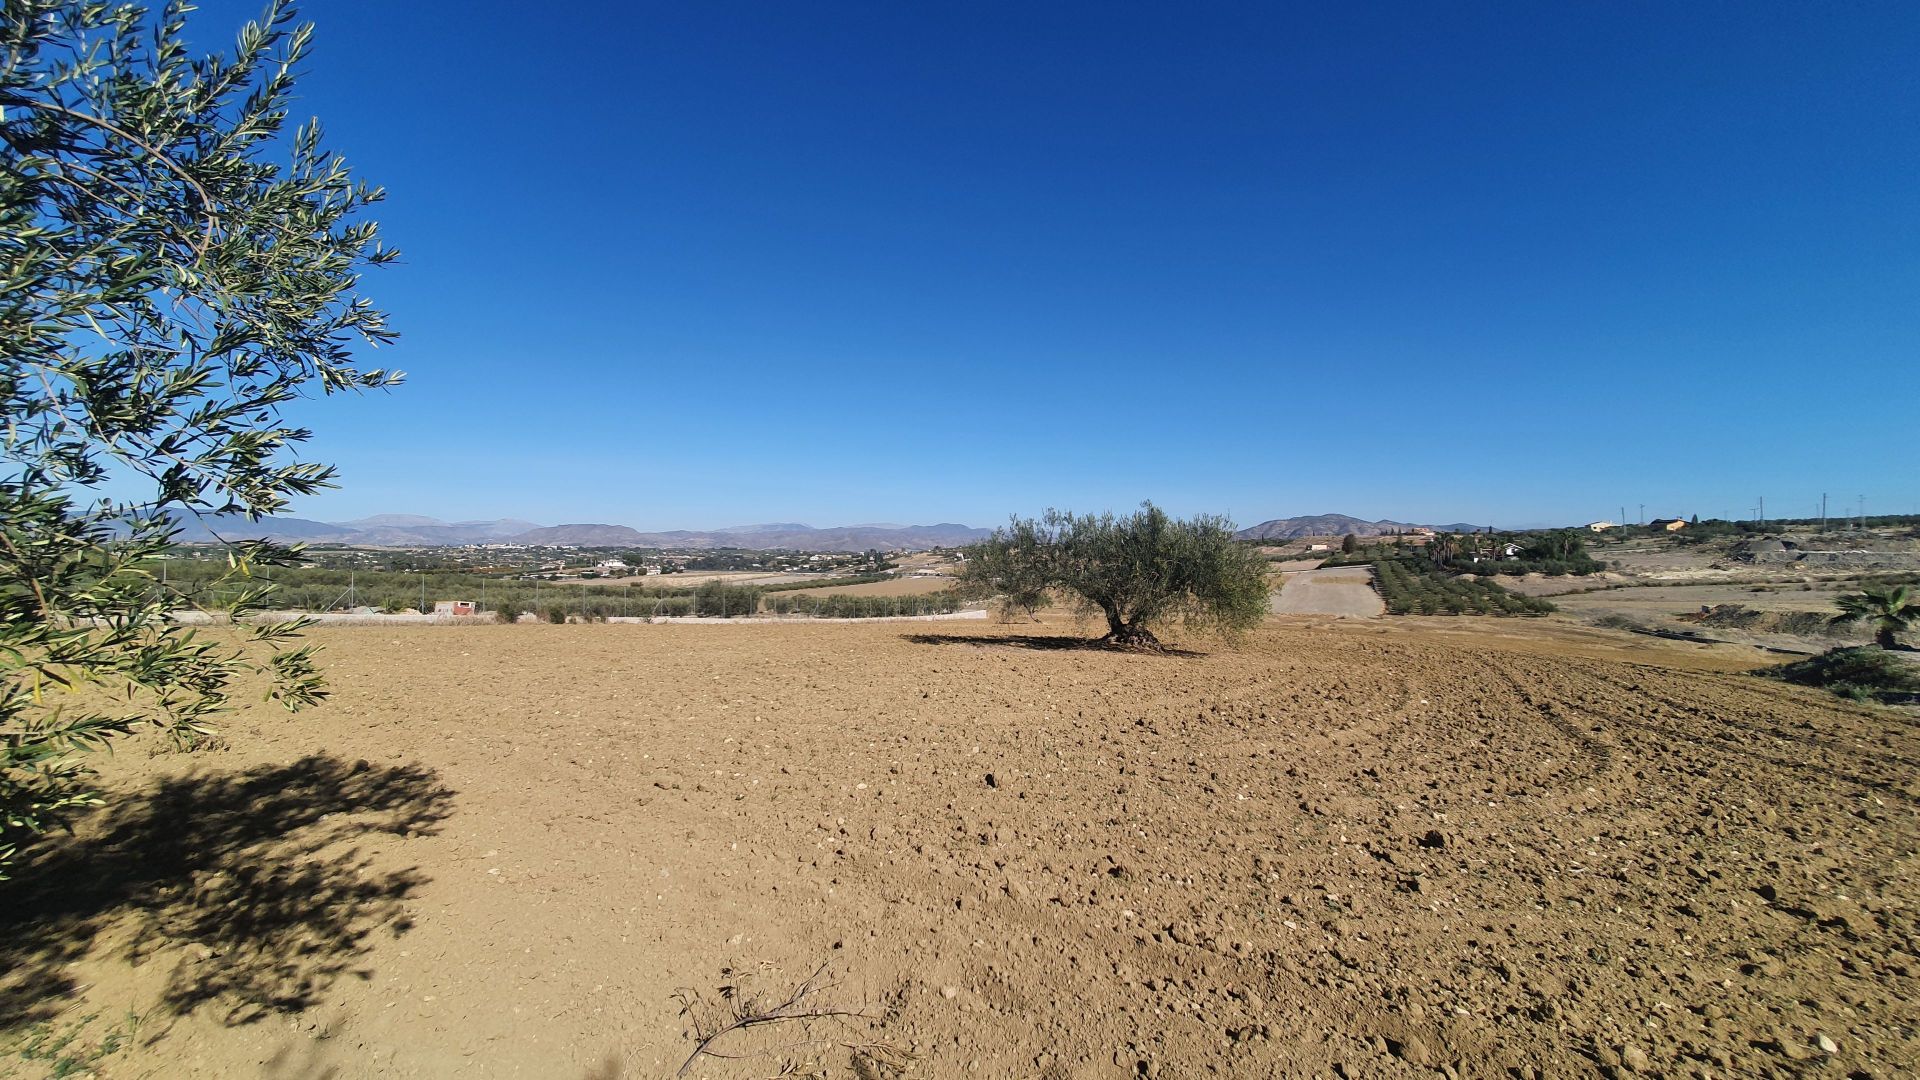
(1861, 674)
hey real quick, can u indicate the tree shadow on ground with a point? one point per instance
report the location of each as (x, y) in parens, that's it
(248, 884)
(1046, 643)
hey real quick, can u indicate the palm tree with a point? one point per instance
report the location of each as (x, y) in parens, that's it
(1893, 610)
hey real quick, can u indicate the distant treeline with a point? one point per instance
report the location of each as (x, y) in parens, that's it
(827, 583)
(717, 600)
(297, 588)
(1553, 552)
(1716, 528)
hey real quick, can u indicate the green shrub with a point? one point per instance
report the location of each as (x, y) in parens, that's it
(1862, 674)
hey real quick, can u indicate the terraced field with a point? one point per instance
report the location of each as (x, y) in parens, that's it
(1378, 848)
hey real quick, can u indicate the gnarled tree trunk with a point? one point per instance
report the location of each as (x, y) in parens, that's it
(1127, 635)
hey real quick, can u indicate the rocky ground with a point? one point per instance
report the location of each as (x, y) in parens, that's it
(1384, 848)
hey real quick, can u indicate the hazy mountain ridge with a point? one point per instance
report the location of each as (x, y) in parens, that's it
(1294, 528)
(412, 530)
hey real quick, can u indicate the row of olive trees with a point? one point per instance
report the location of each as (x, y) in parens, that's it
(717, 600)
(851, 606)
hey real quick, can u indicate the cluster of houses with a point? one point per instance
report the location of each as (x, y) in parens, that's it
(1666, 524)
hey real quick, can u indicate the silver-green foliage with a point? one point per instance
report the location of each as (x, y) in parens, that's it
(1139, 571)
(175, 267)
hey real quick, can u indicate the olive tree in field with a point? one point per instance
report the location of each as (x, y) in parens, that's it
(1012, 566)
(175, 267)
(1139, 571)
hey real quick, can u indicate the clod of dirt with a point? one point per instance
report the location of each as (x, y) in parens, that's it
(1791, 1046)
(1411, 1049)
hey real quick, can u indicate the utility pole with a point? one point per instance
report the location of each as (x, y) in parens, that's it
(1643, 513)
(1763, 511)
(1823, 511)
(1863, 511)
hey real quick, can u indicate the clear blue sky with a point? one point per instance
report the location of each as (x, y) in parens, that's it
(683, 265)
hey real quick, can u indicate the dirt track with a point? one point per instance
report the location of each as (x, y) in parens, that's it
(1343, 590)
(1374, 847)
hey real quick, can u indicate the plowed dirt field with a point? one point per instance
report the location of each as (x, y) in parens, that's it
(1364, 849)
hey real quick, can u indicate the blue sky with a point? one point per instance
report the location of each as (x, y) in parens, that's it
(702, 264)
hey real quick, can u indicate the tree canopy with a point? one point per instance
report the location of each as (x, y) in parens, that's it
(1138, 572)
(1891, 609)
(177, 267)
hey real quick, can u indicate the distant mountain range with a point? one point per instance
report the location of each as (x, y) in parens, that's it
(1294, 528)
(412, 530)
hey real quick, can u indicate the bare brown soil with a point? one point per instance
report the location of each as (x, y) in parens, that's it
(1295, 565)
(1383, 848)
(1346, 590)
(1672, 608)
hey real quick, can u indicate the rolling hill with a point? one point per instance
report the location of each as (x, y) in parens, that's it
(1338, 525)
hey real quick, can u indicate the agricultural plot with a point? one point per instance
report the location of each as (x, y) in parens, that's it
(1367, 848)
(1341, 591)
(902, 586)
(1413, 588)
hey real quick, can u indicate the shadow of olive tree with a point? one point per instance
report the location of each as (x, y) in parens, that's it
(250, 884)
(1046, 643)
